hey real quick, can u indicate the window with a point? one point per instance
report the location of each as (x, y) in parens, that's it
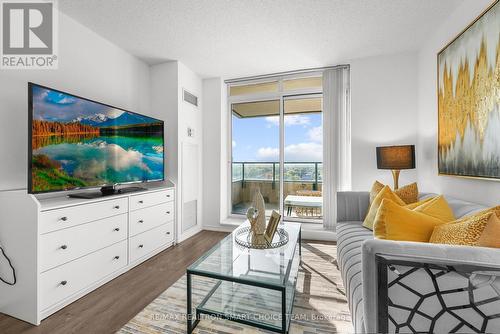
(277, 129)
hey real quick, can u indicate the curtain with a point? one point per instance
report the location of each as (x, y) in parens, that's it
(336, 141)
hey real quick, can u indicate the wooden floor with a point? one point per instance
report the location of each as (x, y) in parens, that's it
(108, 308)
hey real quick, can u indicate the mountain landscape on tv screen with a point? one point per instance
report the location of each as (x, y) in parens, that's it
(80, 143)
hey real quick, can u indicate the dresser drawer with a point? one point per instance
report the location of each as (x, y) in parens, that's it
(144, 243)
(54, 220)
(66, 245)
(62, 282)
(145, 219)
(150, 199)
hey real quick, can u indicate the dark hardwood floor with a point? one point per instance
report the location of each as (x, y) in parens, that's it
(108, 308)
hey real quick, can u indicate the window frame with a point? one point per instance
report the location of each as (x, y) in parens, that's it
(281, 95)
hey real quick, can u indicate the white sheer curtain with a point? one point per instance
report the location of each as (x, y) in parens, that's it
(336, 140)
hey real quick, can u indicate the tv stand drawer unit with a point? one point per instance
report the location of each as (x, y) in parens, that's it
(63, 248)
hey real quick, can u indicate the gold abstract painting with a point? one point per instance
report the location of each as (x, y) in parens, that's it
(469, 100)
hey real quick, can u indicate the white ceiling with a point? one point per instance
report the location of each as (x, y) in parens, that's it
(234, 38)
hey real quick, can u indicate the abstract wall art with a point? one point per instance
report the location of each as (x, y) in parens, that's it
(469, 100)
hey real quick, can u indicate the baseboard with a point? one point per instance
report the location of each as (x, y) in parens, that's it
(189, 233)
(320, 235)
(220, 228)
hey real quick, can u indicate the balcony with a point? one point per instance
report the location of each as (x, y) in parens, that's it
(302, 181)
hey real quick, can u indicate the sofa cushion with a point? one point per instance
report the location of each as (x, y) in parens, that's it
(350, 237)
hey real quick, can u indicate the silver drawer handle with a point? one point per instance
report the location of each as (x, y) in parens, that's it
(168, 233)
(141, 246)
(117, 257)
(168, 212)
(64, 282)
(117, 229)
(141, 221)
(63, 219)
(116, 207)
(168, 195)
(140, 202)
(64, 247)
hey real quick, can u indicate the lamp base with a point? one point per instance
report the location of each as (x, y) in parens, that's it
(395, 176)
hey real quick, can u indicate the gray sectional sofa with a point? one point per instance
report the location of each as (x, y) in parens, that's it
(395, 286)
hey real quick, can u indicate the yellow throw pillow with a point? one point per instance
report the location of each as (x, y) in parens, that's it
(430, 210)
(403, 224)
(466, 231)
(408, 193)
(386, 192)
(491, 233)
(438, 208)
(376, 188)
(419, 203)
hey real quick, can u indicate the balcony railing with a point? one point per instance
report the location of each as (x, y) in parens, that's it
(296, 172)
(300, 179)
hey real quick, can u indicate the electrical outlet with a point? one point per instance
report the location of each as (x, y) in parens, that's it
(190, 132)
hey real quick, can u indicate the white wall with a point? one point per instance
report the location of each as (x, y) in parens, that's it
(89, 66)
(164, 104)
(483, 191)
(212, 140)
(167, 83)
(190, 167)
(384, 112)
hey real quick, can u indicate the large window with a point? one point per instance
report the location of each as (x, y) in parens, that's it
(277, 129)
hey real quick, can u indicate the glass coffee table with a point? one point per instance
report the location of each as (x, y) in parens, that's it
(254, 287)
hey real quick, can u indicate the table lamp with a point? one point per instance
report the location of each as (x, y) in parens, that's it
(396, 158)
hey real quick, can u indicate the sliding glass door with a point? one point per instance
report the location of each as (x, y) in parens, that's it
(303, 157)
(277, 129)
(255, 154)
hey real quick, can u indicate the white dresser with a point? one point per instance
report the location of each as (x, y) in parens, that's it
(63, 248)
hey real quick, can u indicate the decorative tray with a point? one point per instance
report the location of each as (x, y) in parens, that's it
(245, 238)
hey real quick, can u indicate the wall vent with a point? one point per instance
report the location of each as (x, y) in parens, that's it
(190, 98)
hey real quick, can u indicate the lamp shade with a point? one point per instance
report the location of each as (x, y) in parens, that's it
(396, 157)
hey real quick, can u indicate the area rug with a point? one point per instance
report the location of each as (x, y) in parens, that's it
(320, 305)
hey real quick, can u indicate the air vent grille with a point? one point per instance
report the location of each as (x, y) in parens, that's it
(190, 98)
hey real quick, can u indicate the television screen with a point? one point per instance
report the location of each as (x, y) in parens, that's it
(79, 143)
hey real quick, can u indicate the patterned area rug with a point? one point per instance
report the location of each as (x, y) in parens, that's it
(320, 305)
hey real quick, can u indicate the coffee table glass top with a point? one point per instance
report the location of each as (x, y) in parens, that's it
(230, 261)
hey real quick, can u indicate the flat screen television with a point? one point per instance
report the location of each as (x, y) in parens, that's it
(77, 143)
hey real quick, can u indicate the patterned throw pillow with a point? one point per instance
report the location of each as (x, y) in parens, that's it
(408, 193)
(466, 231)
